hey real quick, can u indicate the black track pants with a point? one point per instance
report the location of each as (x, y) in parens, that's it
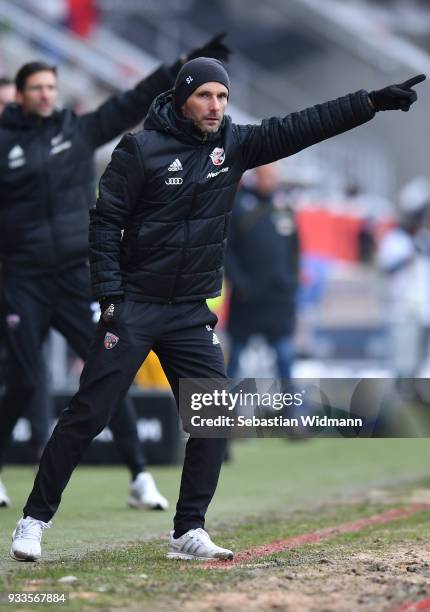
(30, 306)
(183, 338)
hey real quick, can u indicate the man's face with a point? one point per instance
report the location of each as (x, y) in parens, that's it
(7, 95)
(206, 106)
(39, 95)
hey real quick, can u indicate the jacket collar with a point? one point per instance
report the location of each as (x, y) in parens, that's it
(164, 117)
(14, 118)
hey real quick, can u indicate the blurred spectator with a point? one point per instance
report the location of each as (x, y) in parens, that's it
(40, 411)
(80, 16)
(365, 235)
(7, 92)
(262, 267)
(404, 256)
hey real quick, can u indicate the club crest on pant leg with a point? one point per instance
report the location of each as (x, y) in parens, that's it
(110, 340)
(13, 320)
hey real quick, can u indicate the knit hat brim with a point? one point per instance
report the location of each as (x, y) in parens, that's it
(195, 73)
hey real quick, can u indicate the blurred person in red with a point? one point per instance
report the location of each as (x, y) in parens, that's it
(47, 181)
(262, 265)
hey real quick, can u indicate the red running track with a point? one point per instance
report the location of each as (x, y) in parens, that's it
(278, 546)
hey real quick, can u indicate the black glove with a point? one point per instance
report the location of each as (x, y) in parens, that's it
(396, 97)
(215, 48)
(110, 308)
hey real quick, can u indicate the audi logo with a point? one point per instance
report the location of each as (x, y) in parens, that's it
(174, 181)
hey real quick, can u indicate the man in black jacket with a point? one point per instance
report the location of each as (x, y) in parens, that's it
(47, 187)
(262, 266)
(157, 240)
(40, 410)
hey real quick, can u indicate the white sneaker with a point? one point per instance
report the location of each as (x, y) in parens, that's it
(26, 539)
(143, 493)
(196, 544)
(4, 498)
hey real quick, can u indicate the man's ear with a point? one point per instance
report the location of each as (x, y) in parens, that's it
(19, 97)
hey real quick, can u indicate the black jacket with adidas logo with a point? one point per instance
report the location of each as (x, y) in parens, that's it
(47, 182)
(170, 190)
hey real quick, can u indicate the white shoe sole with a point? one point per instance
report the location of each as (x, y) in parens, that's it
(134, 503)
(17, 556)
(188, 557)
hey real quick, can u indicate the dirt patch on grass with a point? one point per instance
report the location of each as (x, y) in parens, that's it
(380, 581)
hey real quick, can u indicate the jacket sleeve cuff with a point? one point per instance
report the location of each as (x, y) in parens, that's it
(362, 105)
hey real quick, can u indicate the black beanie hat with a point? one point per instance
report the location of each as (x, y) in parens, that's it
(196, 72)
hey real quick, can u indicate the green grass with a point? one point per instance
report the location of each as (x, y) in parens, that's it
(96, 538)
(140, 574)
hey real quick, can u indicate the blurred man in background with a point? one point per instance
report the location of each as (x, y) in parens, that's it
(40, 410)
(404, 257)
(47, 185)
(262, 265)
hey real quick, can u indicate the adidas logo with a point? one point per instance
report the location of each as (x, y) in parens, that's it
(56, 139)
(16, 152)
(16, 157)
(175, 166)
(215, 339)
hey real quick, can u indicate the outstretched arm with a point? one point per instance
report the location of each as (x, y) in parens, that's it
(281, 137)
(119, 187)
(124, 111)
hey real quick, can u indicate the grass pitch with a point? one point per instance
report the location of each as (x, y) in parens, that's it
(272, 490)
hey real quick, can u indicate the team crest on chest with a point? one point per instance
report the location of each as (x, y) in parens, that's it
(110, 340)
(217, 156)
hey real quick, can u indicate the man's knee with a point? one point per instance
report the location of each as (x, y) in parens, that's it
(207, 447)
(89, 419)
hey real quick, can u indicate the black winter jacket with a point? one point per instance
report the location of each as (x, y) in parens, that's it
(47, 182)
(171, 189)
(262, 264)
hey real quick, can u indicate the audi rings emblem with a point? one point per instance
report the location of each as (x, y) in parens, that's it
(174, 180)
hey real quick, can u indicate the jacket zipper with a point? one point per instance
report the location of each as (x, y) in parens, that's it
(187, 226)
